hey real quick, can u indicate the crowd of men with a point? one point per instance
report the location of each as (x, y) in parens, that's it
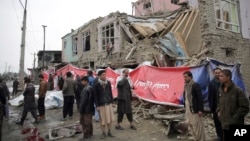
(94, 97)
(228, 104)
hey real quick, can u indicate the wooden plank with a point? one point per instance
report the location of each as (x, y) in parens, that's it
(179, 24)
(130, 52)
(140, 30)
(187, 23)
(126, 29)
(190, 28)
(169, 26)
(157, 61)
(179, 38)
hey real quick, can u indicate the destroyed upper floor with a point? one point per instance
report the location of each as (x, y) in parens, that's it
(169, 39)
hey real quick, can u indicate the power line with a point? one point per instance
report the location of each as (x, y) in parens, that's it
(16, 12)
(32, 30)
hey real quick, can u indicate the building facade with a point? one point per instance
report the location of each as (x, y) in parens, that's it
(51, 58)
(225, 32)
(69, 54)
(220, 27)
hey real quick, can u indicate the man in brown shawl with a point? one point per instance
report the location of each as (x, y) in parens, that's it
(194, 106)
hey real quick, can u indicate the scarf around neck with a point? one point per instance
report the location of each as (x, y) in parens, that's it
(188, 91)
(103, 83)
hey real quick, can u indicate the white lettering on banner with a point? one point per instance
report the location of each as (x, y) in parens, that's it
(143, 84)
(161, 86)
(147, 84)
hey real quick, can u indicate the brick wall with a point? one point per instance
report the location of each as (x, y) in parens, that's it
(218, 40)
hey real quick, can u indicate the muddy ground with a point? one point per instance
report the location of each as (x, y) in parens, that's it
(147, 130)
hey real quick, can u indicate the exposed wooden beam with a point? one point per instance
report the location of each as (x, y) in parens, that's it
(197, 12)
(127, 31)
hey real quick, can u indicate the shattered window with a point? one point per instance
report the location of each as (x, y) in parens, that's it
(147, 5)
(227, 15)
(108, 35)
(74, 47)
(86, 41)
(174, 1)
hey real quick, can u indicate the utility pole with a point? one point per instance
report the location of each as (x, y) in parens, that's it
(21, 67)
(34, 63)
(44, 26)
(6, 64)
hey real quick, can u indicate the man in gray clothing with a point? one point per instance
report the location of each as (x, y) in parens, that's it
(68, 96)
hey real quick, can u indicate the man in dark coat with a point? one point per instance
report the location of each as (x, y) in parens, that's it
(78, 91)
(213, 94)
(7, 96)
(86, 108)
(194, 106)
(92, 82)
(124, 86)
(15, 87)
(29, 104)
(68, 96)
(232, 105)
(2, 103)
(51, 82)
(103, 101)
(60, 81)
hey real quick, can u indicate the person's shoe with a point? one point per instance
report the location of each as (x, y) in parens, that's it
(133, 127)
(118, 127)
(63, 119)
(70, 117)
(41, 118)
(110, 135)
(103, 136)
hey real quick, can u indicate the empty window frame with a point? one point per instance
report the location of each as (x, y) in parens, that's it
(226, 13)
(74, 47)
(57, 57)
(108, 35)
(146, 5)
(86, 41)
(175, 1)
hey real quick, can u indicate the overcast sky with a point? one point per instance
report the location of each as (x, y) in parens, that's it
(60, 16)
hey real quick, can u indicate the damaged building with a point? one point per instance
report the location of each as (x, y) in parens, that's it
(176, 37)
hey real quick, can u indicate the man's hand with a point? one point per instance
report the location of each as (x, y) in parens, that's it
(218, 114)
(98, 109)
(200, 114)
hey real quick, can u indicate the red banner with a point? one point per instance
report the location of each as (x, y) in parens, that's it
(74, 70)
(112, 76)
(159, 85)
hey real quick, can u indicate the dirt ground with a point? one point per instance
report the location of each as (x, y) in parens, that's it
(147, 129)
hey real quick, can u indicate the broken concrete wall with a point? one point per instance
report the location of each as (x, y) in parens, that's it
(150, 7)
(224, 45)
(88, 58)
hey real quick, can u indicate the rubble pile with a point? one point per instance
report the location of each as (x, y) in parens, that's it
(172, 118)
